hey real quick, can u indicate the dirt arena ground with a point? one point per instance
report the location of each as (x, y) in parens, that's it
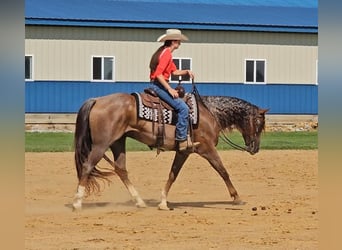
(280, 189)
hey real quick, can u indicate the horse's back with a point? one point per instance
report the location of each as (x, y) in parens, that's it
(115, 100)
(116, 106)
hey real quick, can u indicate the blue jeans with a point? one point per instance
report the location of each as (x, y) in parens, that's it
(180, 107)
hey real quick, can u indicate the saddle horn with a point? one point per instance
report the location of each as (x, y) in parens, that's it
(180, 89)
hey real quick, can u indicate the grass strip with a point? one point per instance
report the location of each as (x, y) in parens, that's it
(63, 142)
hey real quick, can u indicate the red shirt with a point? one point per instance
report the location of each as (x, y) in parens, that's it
(165, 66)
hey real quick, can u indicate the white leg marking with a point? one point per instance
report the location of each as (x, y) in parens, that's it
(77, 204)
(163, 204)
(134, 193)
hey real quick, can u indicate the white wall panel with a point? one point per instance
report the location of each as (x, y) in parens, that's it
(64, 53)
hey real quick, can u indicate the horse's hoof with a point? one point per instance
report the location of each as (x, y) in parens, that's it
(163, 207)
(141, 205)
(238, 201)
(76, 207)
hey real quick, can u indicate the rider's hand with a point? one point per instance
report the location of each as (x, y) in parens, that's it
(191, 74)
(173, 93)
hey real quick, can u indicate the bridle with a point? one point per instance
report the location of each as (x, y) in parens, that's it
(232, 144)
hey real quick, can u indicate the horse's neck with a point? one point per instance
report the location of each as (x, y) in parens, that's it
(226, 112)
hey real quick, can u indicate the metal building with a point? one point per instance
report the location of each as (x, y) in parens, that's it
(265, 51)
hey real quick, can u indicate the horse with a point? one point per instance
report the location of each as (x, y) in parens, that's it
(105, 122)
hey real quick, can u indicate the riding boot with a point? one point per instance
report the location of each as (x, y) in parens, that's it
(187, 144)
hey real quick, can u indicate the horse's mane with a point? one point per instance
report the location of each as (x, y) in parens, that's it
(228, 111)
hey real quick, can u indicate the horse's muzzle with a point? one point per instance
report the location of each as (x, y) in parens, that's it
(252, 148)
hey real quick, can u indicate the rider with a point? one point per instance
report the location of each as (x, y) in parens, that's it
(162, 66)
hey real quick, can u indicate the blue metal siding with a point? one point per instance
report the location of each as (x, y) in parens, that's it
(240, 15)
(67, 97)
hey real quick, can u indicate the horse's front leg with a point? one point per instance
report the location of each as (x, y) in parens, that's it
(177, 164)
(119, 153)
(122, 173)
(215, 161)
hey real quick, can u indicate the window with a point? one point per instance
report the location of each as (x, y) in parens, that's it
(255, 71)
(181, 64)
(103, 68)
(29, 68)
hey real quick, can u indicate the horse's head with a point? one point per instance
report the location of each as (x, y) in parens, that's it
(252, 130)
(232, 112)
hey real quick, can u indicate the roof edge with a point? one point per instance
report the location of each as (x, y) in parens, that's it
(163, 25)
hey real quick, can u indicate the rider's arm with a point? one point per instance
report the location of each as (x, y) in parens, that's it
(167, 86)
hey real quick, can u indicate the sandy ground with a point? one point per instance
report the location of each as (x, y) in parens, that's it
(280, 189)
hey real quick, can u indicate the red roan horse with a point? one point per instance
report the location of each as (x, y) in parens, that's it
(105, 122)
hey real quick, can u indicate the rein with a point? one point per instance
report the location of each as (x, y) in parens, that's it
(230, 143)
(222, 135)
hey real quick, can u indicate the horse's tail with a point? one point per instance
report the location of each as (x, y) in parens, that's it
(82, 139)
(83, 146)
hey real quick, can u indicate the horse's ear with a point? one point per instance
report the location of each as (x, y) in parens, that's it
(263, 111)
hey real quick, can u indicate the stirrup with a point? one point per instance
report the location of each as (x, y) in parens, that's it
(187, 144)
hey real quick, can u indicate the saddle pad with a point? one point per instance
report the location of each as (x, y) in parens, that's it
(170, 116)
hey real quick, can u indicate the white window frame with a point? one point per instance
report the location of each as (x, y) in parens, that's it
(254, 71)
(102, 69)
(180, 67)
(32, 68)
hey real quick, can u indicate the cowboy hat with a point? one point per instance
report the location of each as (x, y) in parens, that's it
(172, 34)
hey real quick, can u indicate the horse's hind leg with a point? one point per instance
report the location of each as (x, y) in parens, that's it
(93, 158)
(177, 164)
(80, 193)
(119, 153)
(215, 161)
